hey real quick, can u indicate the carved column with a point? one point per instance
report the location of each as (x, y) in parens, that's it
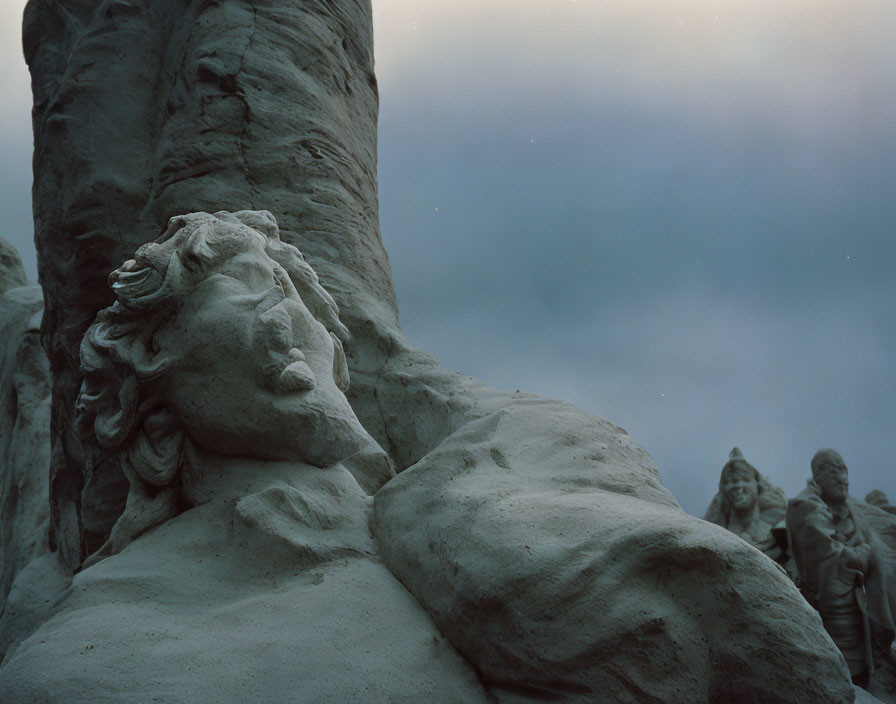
(144, 109)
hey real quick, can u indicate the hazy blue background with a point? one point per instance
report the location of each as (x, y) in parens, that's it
(677, 215)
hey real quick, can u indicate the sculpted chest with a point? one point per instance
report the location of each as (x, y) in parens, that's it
(257, 606)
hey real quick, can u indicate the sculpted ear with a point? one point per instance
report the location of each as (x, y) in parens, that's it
(340, 365)
(147, 358)
(155, 454)
(114, 363)
(113, 409)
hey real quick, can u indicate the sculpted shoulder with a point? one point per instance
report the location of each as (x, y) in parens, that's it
(807, 501)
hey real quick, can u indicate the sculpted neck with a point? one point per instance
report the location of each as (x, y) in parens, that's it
(216, 478)
(279, 511)
(836, 504)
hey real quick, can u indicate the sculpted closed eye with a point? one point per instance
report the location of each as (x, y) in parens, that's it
(283, 364)
(278, 282)
(275, 326)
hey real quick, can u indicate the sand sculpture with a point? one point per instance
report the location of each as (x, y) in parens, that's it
(262, 517)
(523, 549)
(845, 568)
(751, 507)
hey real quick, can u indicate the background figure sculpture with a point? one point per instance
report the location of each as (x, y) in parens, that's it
(843, 565)
(143, 110)
(27, 566)
(881, 500)
(751, 507)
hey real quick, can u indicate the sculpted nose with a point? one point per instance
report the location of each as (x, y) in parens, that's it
(276, 329)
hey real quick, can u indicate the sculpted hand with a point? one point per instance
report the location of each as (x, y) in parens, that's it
(858, 557)
(855, 540)
(863, 555)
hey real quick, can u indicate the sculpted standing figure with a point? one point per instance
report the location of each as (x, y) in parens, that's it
(842, 565)
(881, 500)
(751, 507)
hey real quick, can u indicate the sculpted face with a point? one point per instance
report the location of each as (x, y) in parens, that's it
(740, 488)
(833, 480)
(221, 343)
(252, 371)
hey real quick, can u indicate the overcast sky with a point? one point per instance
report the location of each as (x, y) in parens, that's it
(677, 215)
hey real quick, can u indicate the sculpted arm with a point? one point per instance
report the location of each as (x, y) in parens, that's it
(857, 553)
(820, 556)
(516, 534)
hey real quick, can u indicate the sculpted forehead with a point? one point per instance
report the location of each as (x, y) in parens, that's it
(205, 244)
(738, 471)
(830, 467)
(739, 474)
(251, 266)
(827, 461)
(244, 246)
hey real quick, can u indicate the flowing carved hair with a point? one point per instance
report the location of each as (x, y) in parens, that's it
(771, 499)
(125, 428)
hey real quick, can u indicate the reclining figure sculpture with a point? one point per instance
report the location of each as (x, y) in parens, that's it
(268, 552)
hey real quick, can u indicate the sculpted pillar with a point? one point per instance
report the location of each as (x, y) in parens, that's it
(144, 109)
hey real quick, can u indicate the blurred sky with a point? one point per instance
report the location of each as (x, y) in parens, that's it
(678, 215)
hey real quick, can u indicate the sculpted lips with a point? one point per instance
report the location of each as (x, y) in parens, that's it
(131, 279)
(297, 376)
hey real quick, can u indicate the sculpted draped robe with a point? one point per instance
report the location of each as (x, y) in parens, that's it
(822, 545)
